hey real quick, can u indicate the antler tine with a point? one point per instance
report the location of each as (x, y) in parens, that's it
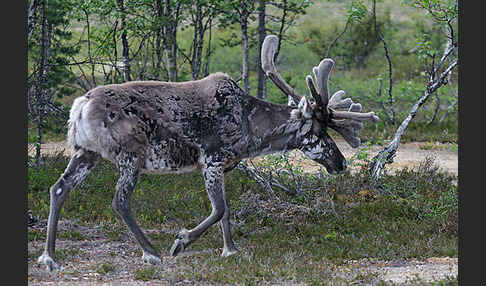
(313, 91)
(349, 129)
(269, 48)
(354, 111)
(348, 123)
(336, 101)
(322, 73)
(355, 107)
(370, 116)
(336, 97)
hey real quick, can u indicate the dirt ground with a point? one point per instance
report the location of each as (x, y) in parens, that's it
(83, 264)
(408, 155)
(82, 267)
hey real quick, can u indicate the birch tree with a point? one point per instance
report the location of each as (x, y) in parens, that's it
(438, 73)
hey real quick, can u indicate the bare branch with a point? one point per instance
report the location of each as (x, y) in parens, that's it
(340, 34)
(390, 70)
(453, 103)
(93, 78)
(386, 155)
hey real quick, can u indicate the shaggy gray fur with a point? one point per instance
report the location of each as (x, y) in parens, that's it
(208, 124)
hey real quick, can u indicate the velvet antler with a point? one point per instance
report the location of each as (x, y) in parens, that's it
(345, 122)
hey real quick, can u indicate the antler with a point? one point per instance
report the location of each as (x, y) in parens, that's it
(269, 48)
(321, 74)
(351, 124)
(347, 123)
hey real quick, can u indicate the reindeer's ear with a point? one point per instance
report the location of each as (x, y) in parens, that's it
(305, 108)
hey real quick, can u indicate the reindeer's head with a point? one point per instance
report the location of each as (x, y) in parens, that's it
(322, 113)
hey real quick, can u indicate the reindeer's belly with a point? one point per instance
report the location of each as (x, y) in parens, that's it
(170, 156)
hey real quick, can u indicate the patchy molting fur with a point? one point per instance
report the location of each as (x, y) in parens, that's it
(169, 124)
(162, 127)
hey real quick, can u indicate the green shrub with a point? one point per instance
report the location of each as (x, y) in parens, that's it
(354, 47)
(146, 274)
(292, 236)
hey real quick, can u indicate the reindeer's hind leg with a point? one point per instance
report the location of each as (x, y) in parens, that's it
(129, 165)
(81, 163)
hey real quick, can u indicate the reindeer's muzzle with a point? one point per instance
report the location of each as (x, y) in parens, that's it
(326, 152)
(334, 167)
(333, 160)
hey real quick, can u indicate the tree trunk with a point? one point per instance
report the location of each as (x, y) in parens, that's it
(244, 46)
(93, 78)
(281, 29)
(197, 41)
(158, 37)
(202, 22)
(208, 50)
(169, 38)
(31, 16)
(115, 70)
(125, 47)
(41, 81)
(261, 90)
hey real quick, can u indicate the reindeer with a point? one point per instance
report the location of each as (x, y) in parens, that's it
(209, 124)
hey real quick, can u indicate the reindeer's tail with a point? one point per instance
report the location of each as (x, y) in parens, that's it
(90, 126)
(74, 119)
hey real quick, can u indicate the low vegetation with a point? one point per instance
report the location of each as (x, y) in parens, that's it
(299, 237)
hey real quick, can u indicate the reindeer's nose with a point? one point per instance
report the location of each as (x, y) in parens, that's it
(338, 169)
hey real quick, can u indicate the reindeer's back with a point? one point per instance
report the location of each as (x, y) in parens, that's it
(132, 116)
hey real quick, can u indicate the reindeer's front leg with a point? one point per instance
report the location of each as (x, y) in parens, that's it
(229, 246)
(214, 180)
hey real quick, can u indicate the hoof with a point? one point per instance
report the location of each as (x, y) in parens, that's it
(229, 251)
(182, 240)
(177, 247)
(50, 264)
(150, 258)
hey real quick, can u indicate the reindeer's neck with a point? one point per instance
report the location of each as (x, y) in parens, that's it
(269, 128)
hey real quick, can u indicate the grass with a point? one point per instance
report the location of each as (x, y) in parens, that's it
(35, 235)
(147, 273)
(105, 268)
(412, 214)
(53, 133)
